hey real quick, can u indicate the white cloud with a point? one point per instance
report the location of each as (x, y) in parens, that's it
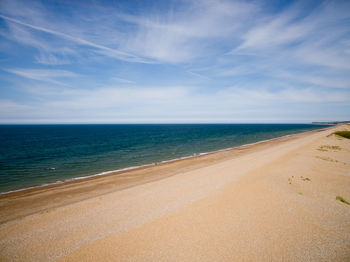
(8, 105)
(49, 75)
(102, 49)
(50, 59)
(169, 104)
(278, 31)
(311, 38)
(173, 36)
(318, 79)
(299, 56)
(50, 53)
(187, 34)
(121, 80)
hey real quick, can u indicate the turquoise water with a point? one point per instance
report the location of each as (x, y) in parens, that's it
(32, 155)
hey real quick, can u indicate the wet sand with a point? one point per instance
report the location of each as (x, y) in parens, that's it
(272, 201)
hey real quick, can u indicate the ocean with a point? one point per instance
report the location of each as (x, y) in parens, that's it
(33, 155)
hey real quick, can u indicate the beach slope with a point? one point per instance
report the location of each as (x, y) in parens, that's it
(275, 201)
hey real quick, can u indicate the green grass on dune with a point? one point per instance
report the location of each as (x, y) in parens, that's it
(341, 199)
(345, 134)
(327, 147)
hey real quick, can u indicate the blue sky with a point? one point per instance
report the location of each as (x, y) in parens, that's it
(174, 61)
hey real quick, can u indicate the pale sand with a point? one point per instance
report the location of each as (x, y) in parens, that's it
(247, 204)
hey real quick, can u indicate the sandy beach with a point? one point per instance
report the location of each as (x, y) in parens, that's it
(272, 201)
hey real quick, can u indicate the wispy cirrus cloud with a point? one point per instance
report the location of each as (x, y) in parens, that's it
(101, 48)
(42, 74)
(51, 59)
(189, 33)
(196, 60)
(317, 38)
(49, 52)
(175, 35)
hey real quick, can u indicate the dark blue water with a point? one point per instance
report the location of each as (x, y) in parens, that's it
(32, 155)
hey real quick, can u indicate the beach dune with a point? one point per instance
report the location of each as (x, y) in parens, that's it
(272, 201)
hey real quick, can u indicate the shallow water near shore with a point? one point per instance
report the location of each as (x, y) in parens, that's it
(33, 155)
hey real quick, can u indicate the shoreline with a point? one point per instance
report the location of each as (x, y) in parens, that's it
(22, 203)
(131, 168)
(276, 200)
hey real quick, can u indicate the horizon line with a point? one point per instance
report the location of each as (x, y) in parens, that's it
(175, 123)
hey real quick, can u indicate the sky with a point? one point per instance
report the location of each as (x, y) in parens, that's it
(193, 61)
